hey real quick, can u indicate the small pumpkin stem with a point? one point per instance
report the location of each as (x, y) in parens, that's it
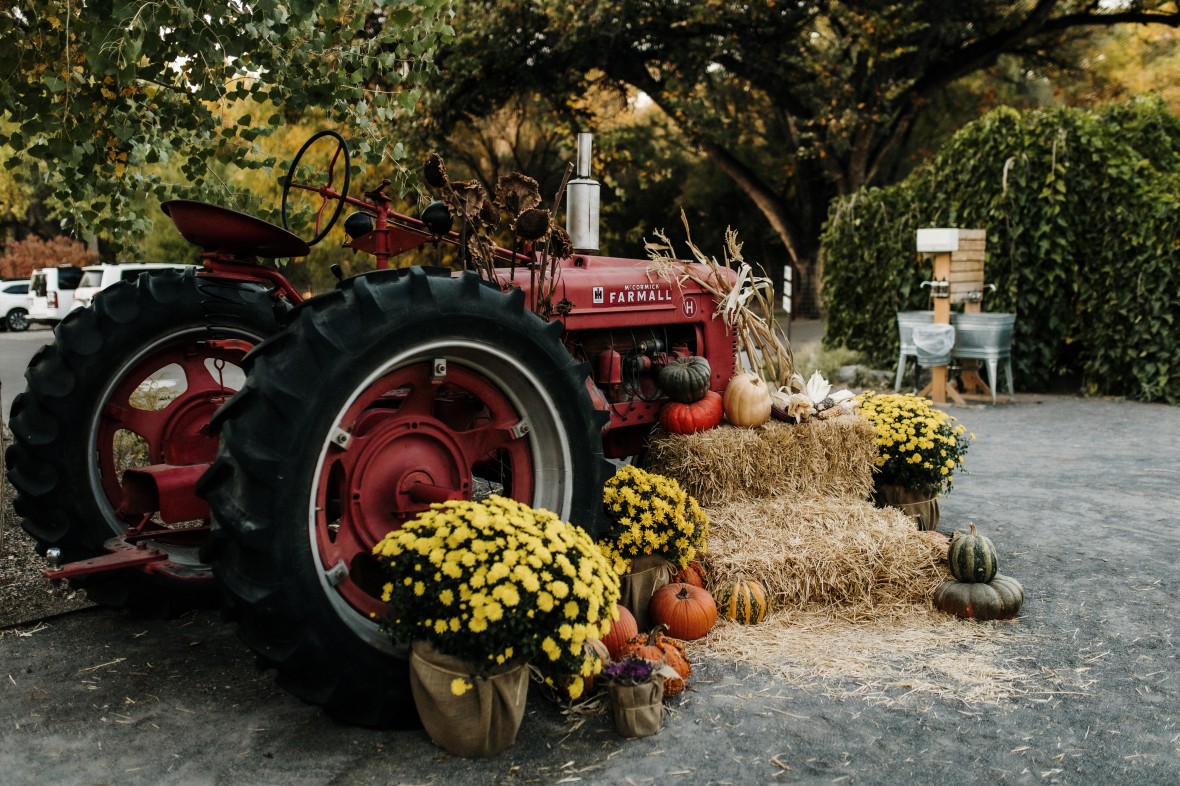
(973, 532)
(683, 594)
(656, 631)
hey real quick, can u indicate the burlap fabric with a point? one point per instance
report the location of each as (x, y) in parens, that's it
(921, 506)
(638, 710)
(481, 722)
(636, 587)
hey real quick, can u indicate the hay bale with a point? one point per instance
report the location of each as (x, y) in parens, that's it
(845, 554)
(825, 458)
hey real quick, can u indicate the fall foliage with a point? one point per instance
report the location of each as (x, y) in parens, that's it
(25, 256)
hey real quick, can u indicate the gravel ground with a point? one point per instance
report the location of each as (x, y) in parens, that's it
(1080, 496)
(24, 593)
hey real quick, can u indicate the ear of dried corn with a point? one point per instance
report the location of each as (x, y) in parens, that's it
(744, 303)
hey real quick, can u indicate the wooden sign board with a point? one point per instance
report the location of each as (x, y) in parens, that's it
(966, 277)
(966, 248)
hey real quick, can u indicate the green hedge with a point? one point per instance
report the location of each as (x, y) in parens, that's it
(1083, 245)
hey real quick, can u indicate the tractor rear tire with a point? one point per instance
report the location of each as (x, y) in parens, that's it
(84, 412)
(397, 381)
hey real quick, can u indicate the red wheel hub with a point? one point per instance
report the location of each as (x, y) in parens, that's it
(174, 429)
(416, 436)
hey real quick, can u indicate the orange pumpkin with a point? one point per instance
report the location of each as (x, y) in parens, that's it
(693, 573)
(679, 418)
(747, 401)
(620, 631)
(657, 647)
(687, 612)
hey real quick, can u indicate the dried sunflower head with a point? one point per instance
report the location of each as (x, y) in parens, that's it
(469, 198)
(532, 225)
(489, 214)
(434, 171)
(560, 243)
(482, 251)
(516, 193)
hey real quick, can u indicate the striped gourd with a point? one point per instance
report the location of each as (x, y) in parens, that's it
(972, 558)
(742, 601)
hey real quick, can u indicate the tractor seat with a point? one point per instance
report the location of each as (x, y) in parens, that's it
(224, 231)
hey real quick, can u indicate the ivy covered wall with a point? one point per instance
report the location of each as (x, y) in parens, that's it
(1082, 212)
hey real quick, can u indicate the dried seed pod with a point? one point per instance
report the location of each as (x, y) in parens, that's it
(532, 225)
(434, 171)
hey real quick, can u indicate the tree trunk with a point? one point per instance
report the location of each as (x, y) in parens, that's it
(801, 255)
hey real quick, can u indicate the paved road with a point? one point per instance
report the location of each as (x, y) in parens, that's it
(16, 349)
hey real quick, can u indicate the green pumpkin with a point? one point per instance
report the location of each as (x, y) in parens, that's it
(998, 599)
(972, 557)
(686, 380)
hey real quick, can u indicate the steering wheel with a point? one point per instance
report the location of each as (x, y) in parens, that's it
(325, 190)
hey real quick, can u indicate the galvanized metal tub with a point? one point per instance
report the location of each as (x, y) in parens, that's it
(982, 335)
(906, 322)
(986, 337)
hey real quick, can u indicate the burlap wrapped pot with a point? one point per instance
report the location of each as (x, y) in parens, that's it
(637, 710)
(921, 506)
(647, 574)
(481, 722)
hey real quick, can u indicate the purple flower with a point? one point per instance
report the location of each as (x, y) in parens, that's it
(630, 670)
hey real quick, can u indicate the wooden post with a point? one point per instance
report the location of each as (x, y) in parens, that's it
(967, 288)
(942, 316)
(958, 274)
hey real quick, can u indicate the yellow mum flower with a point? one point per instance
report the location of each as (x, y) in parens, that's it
(506, 594)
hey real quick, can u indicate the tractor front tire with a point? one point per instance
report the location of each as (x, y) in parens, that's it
(396, 389)
(125, 381)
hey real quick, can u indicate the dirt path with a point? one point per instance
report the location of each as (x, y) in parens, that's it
(1081, 498)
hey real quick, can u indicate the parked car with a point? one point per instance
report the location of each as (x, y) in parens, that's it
(53, 292)
(14, 305)
(96, 278)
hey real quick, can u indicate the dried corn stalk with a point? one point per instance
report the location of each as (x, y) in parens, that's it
(744, 304)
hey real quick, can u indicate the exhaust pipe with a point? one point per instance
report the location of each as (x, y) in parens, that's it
(581, 215)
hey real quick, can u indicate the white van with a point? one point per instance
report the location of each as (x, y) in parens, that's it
(96, 278)
(52, 290)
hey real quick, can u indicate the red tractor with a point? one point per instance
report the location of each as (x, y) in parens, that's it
(209, 437)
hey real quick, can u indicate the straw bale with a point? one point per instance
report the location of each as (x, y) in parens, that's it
(812, 551)
(827, 458)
